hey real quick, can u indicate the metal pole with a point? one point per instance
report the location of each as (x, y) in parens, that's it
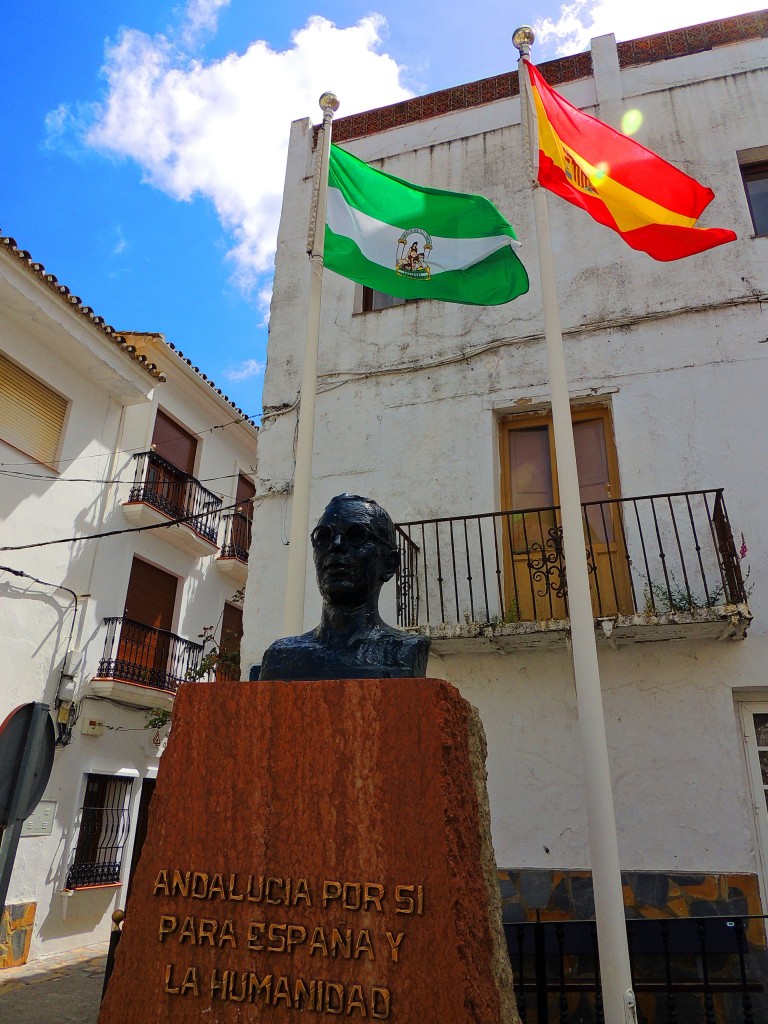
(298, 542)
(618, 997)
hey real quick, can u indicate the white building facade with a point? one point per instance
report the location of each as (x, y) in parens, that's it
(442, 412)
(102, 435)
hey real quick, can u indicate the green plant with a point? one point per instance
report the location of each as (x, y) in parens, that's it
(658, 598)
(158, 718)
(220, 660)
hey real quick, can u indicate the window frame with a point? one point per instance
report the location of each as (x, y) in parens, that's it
(606, 551)
(755, 170)
(96, 872)
(748, 709)
(67, 406)
(364, 295)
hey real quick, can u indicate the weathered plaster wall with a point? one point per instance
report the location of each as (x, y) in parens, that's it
(407, 411)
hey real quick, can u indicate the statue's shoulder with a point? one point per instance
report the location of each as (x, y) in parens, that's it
(408, 650)
(291, 643)
(406, 639)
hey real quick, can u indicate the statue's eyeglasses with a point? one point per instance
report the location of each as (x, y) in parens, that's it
(355, 535)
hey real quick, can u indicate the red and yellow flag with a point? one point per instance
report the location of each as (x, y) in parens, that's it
(621, 184)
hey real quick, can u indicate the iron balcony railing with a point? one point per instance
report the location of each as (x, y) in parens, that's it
(651, 555)
(158, 483)
(686, 970)
(135, 653)
(104, 829)
(237, 536)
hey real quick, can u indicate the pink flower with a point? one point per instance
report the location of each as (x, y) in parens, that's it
(743, 548)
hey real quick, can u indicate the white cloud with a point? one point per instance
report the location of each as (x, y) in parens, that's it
(200, 19)
(582, 20)
(121, 243)
(245, 371)
(220, 129)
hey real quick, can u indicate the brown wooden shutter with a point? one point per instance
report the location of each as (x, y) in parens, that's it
(174, 444)
(231, 634)
(31, 414)
(245, 491)
(151, 595)
(231, 627)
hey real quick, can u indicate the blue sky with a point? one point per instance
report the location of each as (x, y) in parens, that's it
(145, 142)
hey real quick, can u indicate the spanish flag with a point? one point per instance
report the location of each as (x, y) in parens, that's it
(621, 184)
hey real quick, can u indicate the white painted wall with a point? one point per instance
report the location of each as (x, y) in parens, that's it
(101, 434)
(407, 408)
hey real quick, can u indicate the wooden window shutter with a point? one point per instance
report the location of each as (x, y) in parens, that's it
(231, 627)
(174, 444)
(31, 414)
(228, 668)
(151, 595)
(245, 491)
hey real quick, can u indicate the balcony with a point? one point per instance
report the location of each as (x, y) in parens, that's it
(233, 555)
(142, 665)
(661, 567)
(163, 494)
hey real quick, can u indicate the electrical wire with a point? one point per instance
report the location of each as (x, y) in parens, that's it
(64, 730)
(19, 475)
(131, 451)
(116, 533)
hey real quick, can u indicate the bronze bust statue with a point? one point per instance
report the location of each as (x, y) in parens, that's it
(355, 552)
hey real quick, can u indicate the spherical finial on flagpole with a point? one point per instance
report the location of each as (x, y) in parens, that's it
(523, 38)
(329, 102)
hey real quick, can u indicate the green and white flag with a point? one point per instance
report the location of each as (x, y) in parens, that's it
(416, 242)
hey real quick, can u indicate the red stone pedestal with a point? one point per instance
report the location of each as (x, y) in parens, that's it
(316, 848)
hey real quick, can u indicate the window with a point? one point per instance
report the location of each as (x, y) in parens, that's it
(238, 543)
(31, 414)
(173, 443)
(167, 486)
(228, 664)
(147, 650)
(754, 719)
(378, 300)
(755, 177)
(104, 826)
(533, 545)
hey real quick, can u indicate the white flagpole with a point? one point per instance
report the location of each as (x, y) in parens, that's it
(293, 621)
(618, 997)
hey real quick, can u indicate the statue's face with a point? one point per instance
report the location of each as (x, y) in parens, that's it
(351, 562)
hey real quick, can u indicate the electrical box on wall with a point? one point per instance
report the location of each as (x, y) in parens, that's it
(72, 662)
(92, 727)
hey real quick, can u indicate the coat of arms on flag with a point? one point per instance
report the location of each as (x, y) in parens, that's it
(411, 262)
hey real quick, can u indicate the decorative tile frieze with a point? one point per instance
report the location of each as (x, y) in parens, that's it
(16, 933)
(568, 895)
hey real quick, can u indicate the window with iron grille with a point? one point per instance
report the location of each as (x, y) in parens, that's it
(104, 827)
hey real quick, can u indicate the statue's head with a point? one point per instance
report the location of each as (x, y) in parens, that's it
(355, 550)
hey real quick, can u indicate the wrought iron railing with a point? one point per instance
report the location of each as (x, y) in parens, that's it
(135, 653)
(104, 829)
(654, 554)
(237, 536)
(693, 970)
(158, 483)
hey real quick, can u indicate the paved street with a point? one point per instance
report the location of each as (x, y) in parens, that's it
(60, 989)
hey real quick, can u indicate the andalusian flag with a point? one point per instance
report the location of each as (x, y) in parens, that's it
(620, 183)
(416, 242)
